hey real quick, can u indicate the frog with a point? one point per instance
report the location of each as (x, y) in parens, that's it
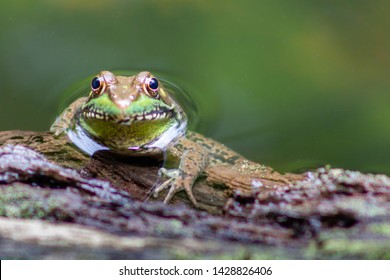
(136, 116)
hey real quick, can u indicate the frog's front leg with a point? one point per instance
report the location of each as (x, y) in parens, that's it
(194, 159)
(63, 121)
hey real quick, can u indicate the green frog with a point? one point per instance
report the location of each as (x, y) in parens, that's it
(135, 115)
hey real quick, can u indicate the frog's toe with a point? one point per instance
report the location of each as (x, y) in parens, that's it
(176, 187)
(56, 130)
(172, 174)
(177, 182)
(162, 187)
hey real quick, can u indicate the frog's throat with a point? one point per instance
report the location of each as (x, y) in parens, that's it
(159, 112)
(82, 139)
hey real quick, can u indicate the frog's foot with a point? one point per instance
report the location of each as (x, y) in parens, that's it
(58, 127)
(178, 181)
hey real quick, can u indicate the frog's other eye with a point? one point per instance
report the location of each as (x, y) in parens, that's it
(152, 85)
(97, 84)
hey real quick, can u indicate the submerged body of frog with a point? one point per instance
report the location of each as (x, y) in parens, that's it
(134, 115)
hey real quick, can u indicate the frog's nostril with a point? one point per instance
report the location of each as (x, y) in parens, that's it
(133, 97)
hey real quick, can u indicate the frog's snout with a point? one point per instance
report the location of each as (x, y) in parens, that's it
(123, 100)
(123, 103)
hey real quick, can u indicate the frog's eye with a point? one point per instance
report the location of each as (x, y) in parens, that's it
(97, 84)
(152, 85)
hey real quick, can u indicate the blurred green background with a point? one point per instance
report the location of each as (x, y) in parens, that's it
(292, 84)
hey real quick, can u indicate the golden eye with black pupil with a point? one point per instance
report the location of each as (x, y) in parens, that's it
(97, 84)
(152, 85)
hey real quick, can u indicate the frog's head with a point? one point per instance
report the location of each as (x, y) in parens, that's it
(128, 112)
(124, 100)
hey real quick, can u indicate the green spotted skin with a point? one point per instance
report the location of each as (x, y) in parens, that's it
(128, 113)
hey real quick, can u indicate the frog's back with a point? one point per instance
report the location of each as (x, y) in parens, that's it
(217, 151)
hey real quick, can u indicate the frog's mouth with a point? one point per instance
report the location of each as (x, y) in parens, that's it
(90, 112)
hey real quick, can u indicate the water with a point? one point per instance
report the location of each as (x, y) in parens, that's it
(292, 84)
